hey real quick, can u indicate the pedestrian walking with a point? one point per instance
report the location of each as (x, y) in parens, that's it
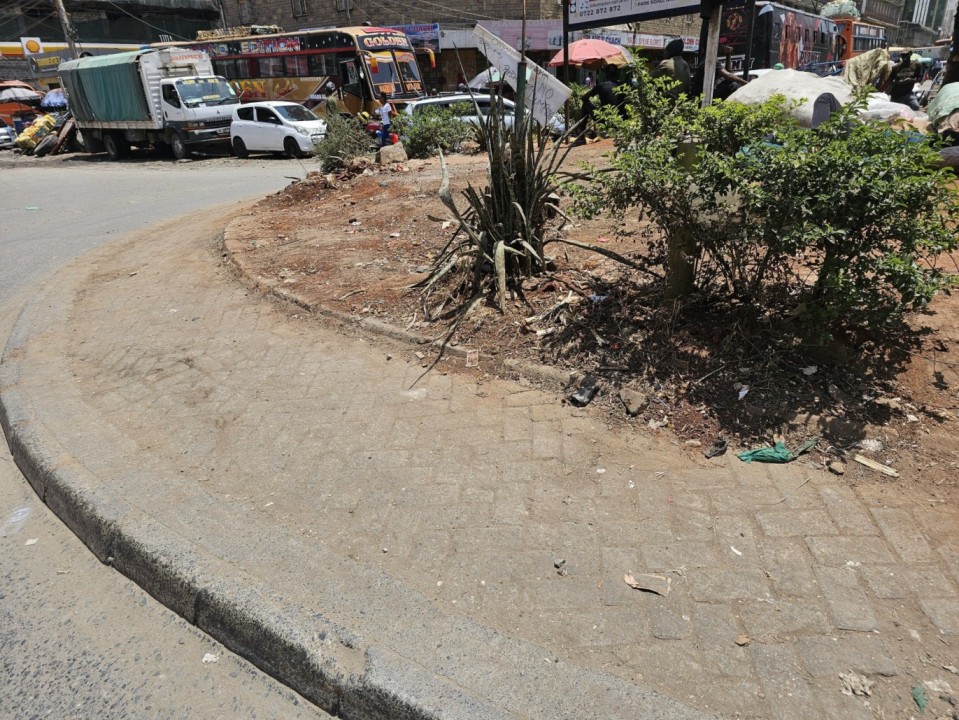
(332, 106)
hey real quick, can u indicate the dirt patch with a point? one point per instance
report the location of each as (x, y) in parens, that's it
(704, 373)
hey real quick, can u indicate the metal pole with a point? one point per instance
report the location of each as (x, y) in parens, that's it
(952, 65)
(520, 107)
(712, 55)
(68, 30)
(566, 44)
(750, 29)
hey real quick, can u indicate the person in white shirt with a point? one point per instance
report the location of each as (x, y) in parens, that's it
(385, 111)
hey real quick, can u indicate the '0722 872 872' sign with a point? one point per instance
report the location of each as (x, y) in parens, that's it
(595, 13)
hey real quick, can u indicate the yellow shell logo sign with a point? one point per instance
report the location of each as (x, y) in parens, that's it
(31, 45)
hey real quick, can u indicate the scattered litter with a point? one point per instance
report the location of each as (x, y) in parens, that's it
(656, 424)
(738, 552)
(472, 358)
(585, 392)
(32, 541)
(836, 467)
(693, 443)
(884, 469)
(62, 572)
(600, 471)
(743, 640)
(659, 473)
(394, 235)
(778, 453)
(853, 563)
(354, 221)
(596, 299)
(32, 207)
(921, 697)
(560, 565)
(210, 658)
(853, 684)
(658, 584)
(419, 355)
(938, 686)
(602, 238)
(268, 504)
(351, 293)
(871, 445)
(718, 448)
(630, 484)
(743, 391)
(951, 668)
(911, 418)
(811, 370)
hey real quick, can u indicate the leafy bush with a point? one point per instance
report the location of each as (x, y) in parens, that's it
(846, 221)
(432, 130)
(345, 139)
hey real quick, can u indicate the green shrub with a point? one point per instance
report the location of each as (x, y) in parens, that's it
(846, 221)
(345, 139)
(432, 130)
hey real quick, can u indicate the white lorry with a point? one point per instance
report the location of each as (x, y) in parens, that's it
(167, 98)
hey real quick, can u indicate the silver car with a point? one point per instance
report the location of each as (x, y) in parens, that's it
(8, 136)
(466, 106)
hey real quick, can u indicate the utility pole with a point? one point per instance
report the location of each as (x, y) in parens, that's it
(520, 107)
(952, 65)
(68, 30)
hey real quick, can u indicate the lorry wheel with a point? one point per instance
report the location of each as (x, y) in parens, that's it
(292, 148)
(239, 148)
(116, 146)
(180, 150)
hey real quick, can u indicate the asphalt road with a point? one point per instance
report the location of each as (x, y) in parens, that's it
(77, 639)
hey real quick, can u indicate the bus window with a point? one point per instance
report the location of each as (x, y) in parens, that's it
(296, 66)
(409, 71)
(271, 67)
(226, 68)
(319, 66)
(382, 72)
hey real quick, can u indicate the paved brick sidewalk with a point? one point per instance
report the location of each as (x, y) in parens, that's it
(304, 456)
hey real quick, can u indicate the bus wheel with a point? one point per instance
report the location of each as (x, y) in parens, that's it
(239, 148)
(116, 146)
(180, 150)
(292, 148)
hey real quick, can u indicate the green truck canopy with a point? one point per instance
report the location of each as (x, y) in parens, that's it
(106, 88)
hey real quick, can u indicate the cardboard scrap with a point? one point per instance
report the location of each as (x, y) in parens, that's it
(658, 584)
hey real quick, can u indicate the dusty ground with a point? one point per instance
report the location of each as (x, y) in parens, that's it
(358, 244)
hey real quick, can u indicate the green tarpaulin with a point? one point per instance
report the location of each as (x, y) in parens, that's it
(106, 88)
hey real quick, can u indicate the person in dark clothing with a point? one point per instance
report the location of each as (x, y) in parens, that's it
(606, 95)
(902, 81)
(673, 66)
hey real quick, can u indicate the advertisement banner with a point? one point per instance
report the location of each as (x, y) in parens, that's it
(540, 34)
(422, 37)
(595, 13)
(645, 41)
(545, 94)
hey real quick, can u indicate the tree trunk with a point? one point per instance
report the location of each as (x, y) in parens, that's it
(680, 272)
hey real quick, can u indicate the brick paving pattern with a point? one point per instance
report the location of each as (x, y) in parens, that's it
(471, 491)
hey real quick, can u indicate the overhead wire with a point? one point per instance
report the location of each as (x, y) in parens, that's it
(144, 22)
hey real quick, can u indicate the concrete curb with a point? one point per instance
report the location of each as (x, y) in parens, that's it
(330, 665)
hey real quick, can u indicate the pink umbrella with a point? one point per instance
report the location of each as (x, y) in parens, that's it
(593, 53)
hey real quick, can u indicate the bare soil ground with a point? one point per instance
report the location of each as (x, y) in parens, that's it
(700, 373)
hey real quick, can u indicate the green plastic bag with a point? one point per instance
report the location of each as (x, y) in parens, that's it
(778, 453)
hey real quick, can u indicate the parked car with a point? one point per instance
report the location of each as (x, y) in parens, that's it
(275, 126)
(463, 103)
(8, 136)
